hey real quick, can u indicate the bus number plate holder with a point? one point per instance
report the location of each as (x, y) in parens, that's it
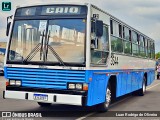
(41, 97)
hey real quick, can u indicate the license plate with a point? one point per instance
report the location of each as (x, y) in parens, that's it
(42, 97)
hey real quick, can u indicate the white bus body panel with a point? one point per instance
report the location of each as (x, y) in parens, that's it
(60, 98)
(124, 61)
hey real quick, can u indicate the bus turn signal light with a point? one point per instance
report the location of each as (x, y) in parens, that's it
(7, 83)
(85, 87)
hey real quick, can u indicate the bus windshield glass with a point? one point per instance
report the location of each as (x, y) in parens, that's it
(48, 41)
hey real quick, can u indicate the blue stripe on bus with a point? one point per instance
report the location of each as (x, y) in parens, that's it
(39, 79)
(46, 77)
(33, 73)
(46, 70)
(44, 86)
(45, 83)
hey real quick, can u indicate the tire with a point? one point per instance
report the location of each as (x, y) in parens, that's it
(142, 91)
(44, 104)
(103, 107)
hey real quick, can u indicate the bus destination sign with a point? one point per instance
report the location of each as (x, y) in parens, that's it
(60, 10)
(51, 10)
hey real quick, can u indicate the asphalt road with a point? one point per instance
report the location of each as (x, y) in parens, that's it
(149, 102)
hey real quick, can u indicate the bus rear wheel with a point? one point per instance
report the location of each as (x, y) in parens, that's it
(142, 91)
(44, 104)
(103, 107)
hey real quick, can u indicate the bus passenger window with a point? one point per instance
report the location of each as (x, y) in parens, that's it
(145, 47)
(120, 31)
(111, 26)
(135, 48)
(152, 50)
(127, 41)
(149, 49)
(116, 37)
(142, 46)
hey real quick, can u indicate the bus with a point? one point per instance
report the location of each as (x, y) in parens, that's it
(75, 54)
(2, 54)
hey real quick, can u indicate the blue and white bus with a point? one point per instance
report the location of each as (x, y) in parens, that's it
(2, 54)
(75, 54)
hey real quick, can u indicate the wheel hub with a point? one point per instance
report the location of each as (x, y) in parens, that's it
(108, 97)
(144, 87)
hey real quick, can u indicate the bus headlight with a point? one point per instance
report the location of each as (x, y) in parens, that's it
(18, 82)
(15, 82)
(71, 86)
(79, 86)
(12, 82)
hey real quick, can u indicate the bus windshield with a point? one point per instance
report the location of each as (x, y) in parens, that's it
(47, 41)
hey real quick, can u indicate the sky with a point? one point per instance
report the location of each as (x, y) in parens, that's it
(143, 15)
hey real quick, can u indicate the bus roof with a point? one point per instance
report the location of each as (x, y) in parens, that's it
(52, 3)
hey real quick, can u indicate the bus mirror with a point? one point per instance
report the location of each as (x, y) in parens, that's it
(8, 25)
(92, 27)
(8, 28)
(99, 28)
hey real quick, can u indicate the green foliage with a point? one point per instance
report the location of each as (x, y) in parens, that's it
(157, 55)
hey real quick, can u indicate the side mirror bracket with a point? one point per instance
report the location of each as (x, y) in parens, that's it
(8, 25)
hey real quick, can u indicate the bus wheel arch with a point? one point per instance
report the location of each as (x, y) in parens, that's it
(113, 83)
(111, 87)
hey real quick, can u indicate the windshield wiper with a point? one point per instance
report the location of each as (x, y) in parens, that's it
(52, 50)
(42, 45)
(35, 50)
(43, 50)
(47, 41)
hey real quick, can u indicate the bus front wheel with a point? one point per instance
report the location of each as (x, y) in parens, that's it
(103, 107)
(44, 104)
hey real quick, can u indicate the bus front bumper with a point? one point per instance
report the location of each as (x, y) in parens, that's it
(51, 97)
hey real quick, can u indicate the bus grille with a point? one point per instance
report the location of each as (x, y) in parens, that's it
(45, 78)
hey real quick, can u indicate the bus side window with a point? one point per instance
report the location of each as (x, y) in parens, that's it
(142, 46)
(127, 40)
(116, 37)
(99, 55)
(135, 50)
(146, 47)
(152, 50)
(149, 49)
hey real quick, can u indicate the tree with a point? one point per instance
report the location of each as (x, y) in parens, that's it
(157, 55)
